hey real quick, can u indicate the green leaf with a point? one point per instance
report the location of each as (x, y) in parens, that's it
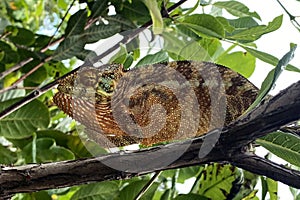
(23, 37)
(272, 77)
(34, 195)
(11, 94)
(38, 76)
(2, 53)
(86, 54)
(41, 41)
(25, 54)
(99, 8)
(119, 20)
(128, 61)
(101, 31)
(62, 4)
(245, 65)
(216, 181)
(254, 33)
(70, 47)
(130, 191)
(194, 51)
(243, 23)
(158, 57)
(56, 68)
(295, 192)
(212, 46)
(236, 8)
(264, 187)
(166, 195)
(157, 21)
(188, 32)
(283, 145)
(24, 121)
(192, 9)
(173, 45)
(135, 11)
(39, 8)
(204, 25)
(76, 23)
(225, 22)
(191, 197)
(6, 156)
(272, 189)
(170, 173)
(186, 49)
(3, 24)
(149, 194)
(269, 58)
(247, 185)
(98, 191)
(10, 56)
(188, 172)
(74, 143)
(47, 151)
(120, 56)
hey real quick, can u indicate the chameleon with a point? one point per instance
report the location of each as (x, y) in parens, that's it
(142, 106)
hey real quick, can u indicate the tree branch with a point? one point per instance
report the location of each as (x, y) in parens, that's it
(280, 110)
(261, 166)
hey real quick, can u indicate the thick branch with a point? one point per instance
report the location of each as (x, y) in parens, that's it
(264, 167)
(270, 116)
(282, 109)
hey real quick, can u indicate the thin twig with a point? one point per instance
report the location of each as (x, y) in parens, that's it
(292, 17)
(15, 84)
(147, 186)
(62, 21)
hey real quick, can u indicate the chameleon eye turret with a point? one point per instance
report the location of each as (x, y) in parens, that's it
(106, 84)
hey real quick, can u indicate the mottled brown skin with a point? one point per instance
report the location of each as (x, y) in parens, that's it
(89, 97)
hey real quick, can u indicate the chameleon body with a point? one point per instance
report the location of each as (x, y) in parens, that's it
(156, 103)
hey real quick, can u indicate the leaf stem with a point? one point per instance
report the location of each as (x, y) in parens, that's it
(292, 17)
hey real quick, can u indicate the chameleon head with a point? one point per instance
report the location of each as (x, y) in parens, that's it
(93, 84)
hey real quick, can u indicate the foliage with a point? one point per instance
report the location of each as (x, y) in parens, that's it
(39, 132)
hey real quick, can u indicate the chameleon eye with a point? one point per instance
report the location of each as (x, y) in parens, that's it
(106, 85)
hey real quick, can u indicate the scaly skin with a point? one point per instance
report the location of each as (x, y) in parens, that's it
(121, 106)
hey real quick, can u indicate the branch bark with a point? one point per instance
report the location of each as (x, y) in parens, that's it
(280, 110)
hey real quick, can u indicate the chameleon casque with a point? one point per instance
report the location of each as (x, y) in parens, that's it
(124, 108)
